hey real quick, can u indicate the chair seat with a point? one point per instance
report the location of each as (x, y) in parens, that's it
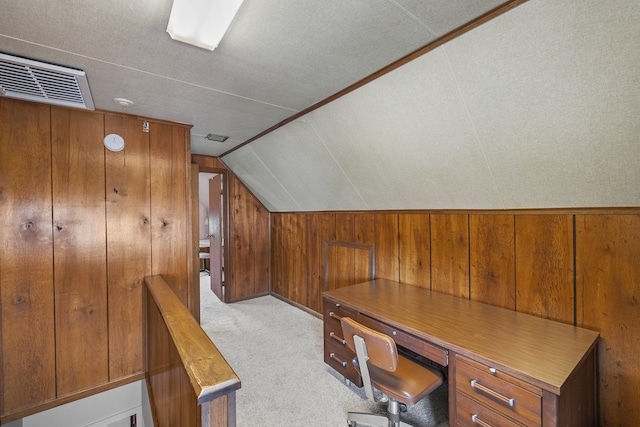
(409, 383)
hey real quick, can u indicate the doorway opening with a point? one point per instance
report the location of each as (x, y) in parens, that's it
(212, 228)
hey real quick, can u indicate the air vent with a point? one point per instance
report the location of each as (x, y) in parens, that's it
(37, 81)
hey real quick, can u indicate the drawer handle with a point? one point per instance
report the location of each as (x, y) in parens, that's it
(337, 338)
(502, 398)
(334, 357)
(335, 316)
(476, 420)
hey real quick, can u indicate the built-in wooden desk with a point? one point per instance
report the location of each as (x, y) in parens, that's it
(504, 368)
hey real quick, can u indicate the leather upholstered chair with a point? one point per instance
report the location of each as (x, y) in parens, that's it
(399, 378)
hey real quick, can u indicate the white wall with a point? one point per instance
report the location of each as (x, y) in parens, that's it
(203, 195)
(95, 411)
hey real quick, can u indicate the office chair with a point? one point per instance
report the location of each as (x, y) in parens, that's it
(204, 256)
(400, 379)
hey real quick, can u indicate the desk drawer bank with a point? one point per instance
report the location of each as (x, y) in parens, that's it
(504, 368)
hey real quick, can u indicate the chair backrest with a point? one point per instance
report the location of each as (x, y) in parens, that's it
(381, 348)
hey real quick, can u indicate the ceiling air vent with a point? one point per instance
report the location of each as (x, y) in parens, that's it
(37, 81)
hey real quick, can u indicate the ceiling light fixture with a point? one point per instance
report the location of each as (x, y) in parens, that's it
(201, 23)
(217, 138)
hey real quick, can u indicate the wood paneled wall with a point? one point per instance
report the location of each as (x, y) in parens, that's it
(248, 272)
(80, 227)
(577, 267)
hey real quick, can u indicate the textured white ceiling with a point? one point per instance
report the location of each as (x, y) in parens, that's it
(277, 58)
(537, 108)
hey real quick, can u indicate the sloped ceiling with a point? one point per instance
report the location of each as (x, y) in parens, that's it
(538, 108)
(278, 57)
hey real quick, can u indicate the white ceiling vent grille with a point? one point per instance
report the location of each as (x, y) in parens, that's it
(36, 81)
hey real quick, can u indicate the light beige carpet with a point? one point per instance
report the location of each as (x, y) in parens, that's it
(276, 350)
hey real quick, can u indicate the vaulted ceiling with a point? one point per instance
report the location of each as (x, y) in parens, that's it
(538, 107)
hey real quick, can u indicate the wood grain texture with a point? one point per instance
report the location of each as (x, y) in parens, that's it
(79, 236)
(415, 249)
(347, 263)
(27, 353)
(543, 353)
(450, 254)
(346, 228)
(321, 227)
(386, 246)
(277, 254)
(365, 228)
(170, 226)
(299, 256)
(242, 277)
(608, 295)
(544, 266)
(215, 233)
(261, 248)
(541, 264)
(492, 259)
(128, 243)
(184, 368)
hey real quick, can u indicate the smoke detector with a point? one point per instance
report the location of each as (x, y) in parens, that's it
(37, 81)
(123, 102)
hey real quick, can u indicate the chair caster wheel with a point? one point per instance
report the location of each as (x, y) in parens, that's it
(403, 407)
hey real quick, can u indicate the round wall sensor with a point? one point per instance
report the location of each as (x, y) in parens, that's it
(114, 142)
(123, 102)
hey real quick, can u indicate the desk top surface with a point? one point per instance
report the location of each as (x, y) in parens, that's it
(541, 351)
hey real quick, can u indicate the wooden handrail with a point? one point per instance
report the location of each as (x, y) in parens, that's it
(190, 383)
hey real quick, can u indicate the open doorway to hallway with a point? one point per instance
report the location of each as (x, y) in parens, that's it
(211, 228)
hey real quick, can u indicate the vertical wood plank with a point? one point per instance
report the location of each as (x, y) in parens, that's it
(277, 253)
(298, 284)
(320, 227)
(492, 255)
(345, 227)
(386, 228)
(128, 243)
(544, 266)
(242, 277)
(169, 219)
(365, 228)
(262, 257)
(450, 254)
(27, 363)
(80, 275)
(414, 237)
(608, 295)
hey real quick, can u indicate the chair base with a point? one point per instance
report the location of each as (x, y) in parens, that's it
(392, 419)
(364, 419)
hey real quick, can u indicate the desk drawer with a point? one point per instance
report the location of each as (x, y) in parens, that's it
(423, 348)
(333, 312)
(339, 357)
(470, 413)
(498, 391)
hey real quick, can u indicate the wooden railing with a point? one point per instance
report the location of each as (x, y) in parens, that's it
(190, 383)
